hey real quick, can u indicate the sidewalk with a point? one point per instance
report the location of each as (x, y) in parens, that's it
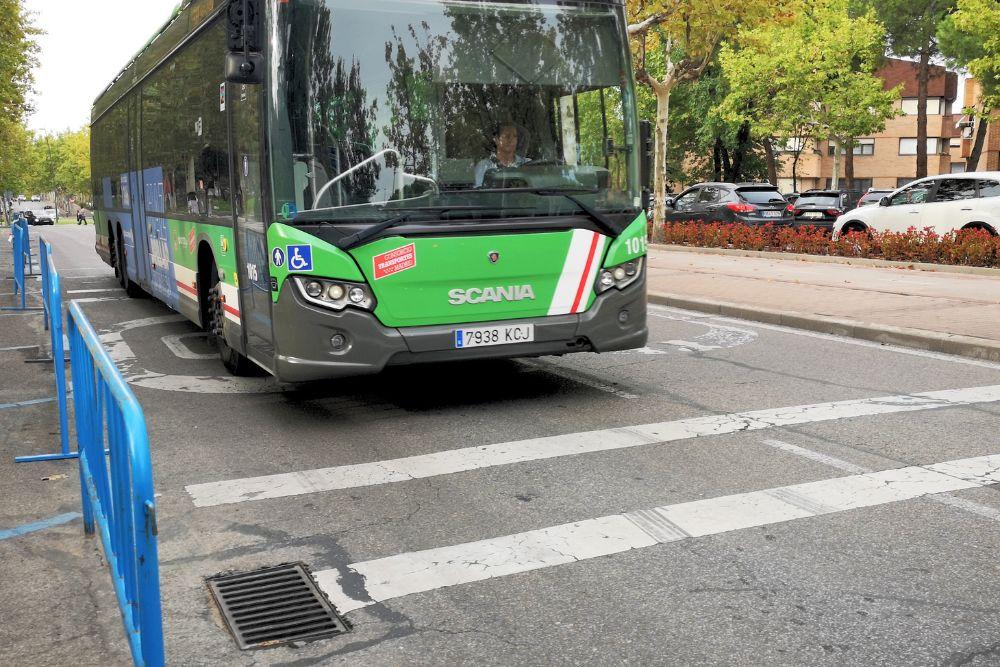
(944, 312)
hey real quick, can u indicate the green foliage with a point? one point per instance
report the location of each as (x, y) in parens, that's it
(17, 58)
(811, 78)
(970, 39)
(911, 25)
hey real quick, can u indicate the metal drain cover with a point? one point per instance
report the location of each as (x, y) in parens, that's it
(275, 605)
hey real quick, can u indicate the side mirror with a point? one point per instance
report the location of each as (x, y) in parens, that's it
(244, 68)
(244, 60)
(670, 201)
(646, 154)
(884, 201)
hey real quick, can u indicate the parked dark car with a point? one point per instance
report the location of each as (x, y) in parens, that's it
(819, 208)
(747, 203)
(872, 197)
(46, 216)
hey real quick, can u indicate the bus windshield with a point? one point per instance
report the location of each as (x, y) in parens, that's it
(383, 105)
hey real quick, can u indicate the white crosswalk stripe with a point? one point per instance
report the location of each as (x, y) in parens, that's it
(420, 571)
(572, 444)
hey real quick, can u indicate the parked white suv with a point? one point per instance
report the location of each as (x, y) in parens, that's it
(945, 203)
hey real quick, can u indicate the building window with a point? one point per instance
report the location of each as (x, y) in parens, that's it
(860, 185)
(958, 167)
(908, 145)
(861, 147)
(793, 145)
(934, 106)
(903, 180)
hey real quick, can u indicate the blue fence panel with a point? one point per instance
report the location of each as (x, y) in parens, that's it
(22, 245)
(52, 303)
(117, 489)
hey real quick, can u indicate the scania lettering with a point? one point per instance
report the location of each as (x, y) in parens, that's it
(476, 295)
(330, 187)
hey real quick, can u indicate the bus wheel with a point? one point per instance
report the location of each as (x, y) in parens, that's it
(235, 363)
(121, 270)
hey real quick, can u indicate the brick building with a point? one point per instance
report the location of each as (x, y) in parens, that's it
(889, 159)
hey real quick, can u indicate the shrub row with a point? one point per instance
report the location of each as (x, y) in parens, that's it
(967, 248)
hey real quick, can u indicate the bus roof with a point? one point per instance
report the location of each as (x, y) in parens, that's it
(187, 17)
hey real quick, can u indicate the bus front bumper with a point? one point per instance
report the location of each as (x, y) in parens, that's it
(303, 336)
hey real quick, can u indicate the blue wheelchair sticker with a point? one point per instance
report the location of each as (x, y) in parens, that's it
(300, 257)
(278, 257)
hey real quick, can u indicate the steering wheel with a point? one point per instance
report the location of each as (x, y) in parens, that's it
(544, 163)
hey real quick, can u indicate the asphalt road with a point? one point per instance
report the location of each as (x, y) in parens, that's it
(590, 509)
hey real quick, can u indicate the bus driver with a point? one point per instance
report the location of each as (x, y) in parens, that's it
(506, 138)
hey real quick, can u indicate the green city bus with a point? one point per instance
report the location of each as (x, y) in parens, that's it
(329, 187)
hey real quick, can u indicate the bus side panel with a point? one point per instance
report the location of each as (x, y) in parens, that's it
(163, 281)
(185, 240)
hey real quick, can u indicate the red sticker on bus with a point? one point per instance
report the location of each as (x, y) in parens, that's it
(394, 261)
(191, 240)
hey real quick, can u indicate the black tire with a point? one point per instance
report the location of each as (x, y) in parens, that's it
(235, 362)
(979, 225)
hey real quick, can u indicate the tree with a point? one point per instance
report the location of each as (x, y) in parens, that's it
(912, 27)
(682, 36)
(970, 39)
(17, 59)
(811, 79)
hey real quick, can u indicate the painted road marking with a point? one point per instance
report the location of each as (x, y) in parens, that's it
(91, 291)
(24, 404)
(718, 337)
(134, 373)
(181, 350)
(18, 347)
(576, 376)
(36, 526)
(369, 582)
(939, 356)
(944, 499)
(505, 453)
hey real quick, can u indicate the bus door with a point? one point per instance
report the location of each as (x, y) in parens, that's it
(245, 102)
(140, 235)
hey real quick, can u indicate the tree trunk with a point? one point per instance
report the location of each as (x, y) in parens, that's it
(972, 162)
(660, 153)
(772, 163)
(742, 147)
(717, 160)
(727, 165)
(849, 166)
(835, 176)
(795, 171)
(923, 74)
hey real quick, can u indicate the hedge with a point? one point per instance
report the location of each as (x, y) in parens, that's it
(967, 247)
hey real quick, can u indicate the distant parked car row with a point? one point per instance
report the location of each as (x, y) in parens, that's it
(945, 203)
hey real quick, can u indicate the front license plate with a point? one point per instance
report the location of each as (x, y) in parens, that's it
(483, 336)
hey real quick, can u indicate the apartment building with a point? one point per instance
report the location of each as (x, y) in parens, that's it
(889, 159)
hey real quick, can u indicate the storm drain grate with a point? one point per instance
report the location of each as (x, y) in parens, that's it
(275, 605)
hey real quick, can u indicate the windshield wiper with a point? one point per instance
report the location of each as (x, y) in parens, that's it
(360, 237)
(609, 226)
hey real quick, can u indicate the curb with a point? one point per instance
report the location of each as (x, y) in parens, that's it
(965, 346)
(834, 259)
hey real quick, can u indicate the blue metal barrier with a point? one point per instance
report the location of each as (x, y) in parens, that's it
(52, 304)
(22, 258)
(117, 490)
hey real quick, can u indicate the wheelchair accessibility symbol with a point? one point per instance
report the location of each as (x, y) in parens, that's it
(300, 257)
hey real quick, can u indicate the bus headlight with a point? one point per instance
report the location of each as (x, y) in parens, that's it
(335, 294)
(619, 276)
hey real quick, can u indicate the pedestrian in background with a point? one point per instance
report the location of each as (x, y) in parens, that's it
(81, 217)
